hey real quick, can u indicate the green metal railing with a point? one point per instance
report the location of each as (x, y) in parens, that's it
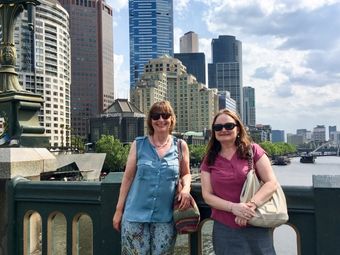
(313, 214)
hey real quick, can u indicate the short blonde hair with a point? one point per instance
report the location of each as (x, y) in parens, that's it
(161, 107)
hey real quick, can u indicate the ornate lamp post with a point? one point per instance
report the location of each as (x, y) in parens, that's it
(9, 11)
(19, 124)
(18, 108)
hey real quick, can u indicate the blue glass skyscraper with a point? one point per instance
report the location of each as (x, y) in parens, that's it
(151, 33)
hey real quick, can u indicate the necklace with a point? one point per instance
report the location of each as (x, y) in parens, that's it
(162, 145)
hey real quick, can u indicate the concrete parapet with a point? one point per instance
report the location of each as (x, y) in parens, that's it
(327, 209)
(26, 162)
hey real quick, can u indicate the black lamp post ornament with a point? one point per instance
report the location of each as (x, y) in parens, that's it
(9, 11)
(19, 109)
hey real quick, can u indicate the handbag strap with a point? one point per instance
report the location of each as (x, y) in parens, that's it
(250, 159)
(180, 157)
(179, 148)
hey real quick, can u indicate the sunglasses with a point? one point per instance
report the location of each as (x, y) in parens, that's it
(156, 116)
(227, 126)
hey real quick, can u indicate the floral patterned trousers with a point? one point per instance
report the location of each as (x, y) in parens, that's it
(155, 238)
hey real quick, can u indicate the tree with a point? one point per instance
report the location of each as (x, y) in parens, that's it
(116, 153)
(196, 154)
(77, 142)
(278, 149)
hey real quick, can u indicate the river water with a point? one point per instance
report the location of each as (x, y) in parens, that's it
(294, 174)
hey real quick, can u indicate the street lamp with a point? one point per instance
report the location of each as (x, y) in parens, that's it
(9, 11)
(19, 107)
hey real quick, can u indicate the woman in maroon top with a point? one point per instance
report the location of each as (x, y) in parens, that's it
(223, 172)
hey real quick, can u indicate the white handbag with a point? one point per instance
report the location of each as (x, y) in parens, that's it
(273, 212)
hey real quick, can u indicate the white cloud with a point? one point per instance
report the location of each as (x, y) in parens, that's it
(118, 5)
(180, 5)
(205, 46)
(178, 32)
(121, 75)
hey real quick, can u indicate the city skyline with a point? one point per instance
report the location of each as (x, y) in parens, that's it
(289, 54)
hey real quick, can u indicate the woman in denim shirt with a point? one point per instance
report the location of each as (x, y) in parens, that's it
(145, 205)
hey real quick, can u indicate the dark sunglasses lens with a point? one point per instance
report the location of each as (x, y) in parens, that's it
(156, 116)
(217, 127)
(229, 126)
(166, 116)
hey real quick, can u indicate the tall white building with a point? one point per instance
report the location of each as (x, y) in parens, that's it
(165, 78)
(44, 66)
(188, 43)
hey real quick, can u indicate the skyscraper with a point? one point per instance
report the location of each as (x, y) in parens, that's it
(195, 64)
(225, 101)
(92, 85)
(193, 60)
(332, 132)
(249, 110)
(44, 67)
(188, 43)
(319, 133)
(151, 33)
(225, 71)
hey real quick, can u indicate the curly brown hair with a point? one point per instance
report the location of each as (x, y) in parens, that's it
(242, 142)
(161, 107)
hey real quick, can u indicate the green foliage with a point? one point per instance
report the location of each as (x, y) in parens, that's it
(256, 137)
(196, 154)
(273, 149)
(77, 142)
(116, 153)
(278, 149)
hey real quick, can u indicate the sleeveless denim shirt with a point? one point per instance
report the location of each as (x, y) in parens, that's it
(152, 192)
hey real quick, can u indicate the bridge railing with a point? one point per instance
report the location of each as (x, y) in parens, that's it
(76, 217)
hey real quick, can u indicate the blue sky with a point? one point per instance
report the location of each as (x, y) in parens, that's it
(291, 53)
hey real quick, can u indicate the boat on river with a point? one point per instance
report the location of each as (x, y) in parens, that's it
(281, 160)
(307, 159)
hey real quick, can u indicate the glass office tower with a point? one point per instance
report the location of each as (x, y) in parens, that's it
(151, 33)
(195, 64)
(225, 71)
(249, 109)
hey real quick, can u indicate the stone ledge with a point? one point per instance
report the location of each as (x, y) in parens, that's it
(26, 162)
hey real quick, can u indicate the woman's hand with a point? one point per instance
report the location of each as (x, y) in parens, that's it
(243, 210)
(117, 220)
(185, 199)
(241, 221)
